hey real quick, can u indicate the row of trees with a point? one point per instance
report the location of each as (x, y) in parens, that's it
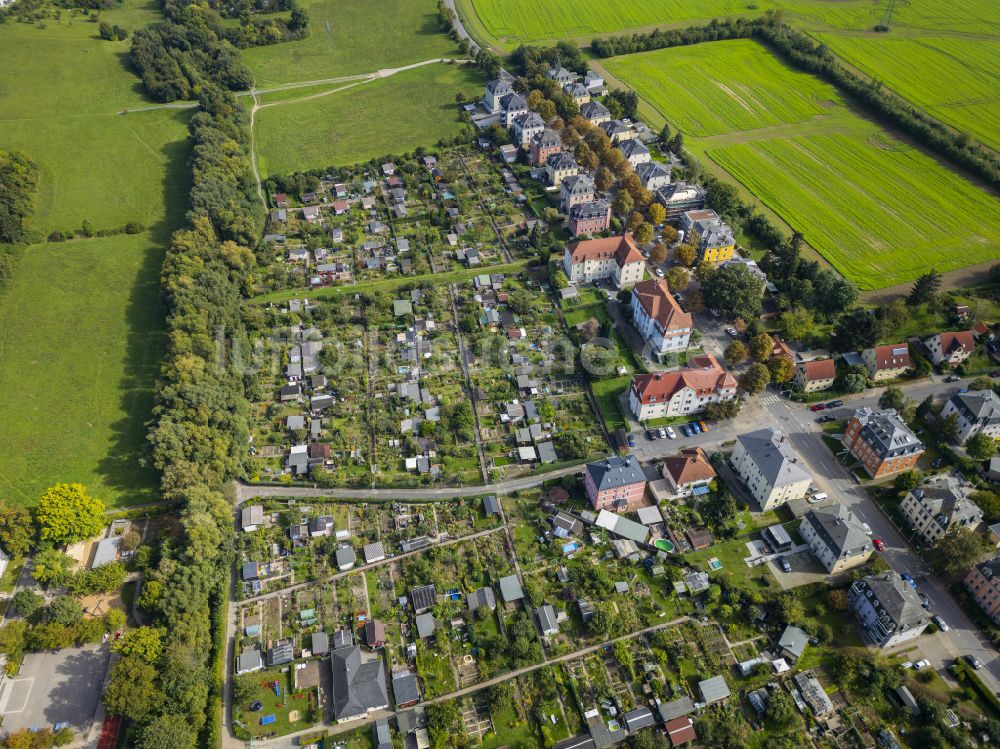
(18, 183)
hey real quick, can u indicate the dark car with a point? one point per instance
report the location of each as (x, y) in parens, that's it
(826, 418)
(784, 564)
(631, 441)
(952, 378)
(818, 407)
(937, 462)
(973, 661)
(835, 404)
(652, 434)
(995, 373)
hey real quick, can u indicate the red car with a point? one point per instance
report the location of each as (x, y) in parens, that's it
(817, 407)
(879, 544)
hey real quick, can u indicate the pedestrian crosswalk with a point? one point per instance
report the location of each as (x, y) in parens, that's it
(768, 400)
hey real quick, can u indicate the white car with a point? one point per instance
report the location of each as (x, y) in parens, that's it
(868, 528)
(921, 665)
(671, 433)
(906, 664)
(659, 272)
(662, 433)
(941, 624)
(732, 332)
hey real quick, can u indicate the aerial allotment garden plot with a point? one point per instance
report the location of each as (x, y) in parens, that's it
(880, 211)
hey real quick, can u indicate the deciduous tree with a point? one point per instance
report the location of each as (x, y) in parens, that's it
(761, 346)
(980, 446)
(736, 352)
(755, 378)
(66, 513)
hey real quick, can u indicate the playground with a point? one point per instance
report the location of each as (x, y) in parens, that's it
(275, 709)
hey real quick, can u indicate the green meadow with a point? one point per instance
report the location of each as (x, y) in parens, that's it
(879, 210)
(81, 325)
(352, 37)
(392, 115)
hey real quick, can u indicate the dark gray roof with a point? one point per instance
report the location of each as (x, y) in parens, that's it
(587, 211)
(895, 597)
(482, 597)
(383, 736)
(675, 709)
(886, 433)
(773, 456)
(510, 589)
(639, 718)
(615, 472)
(980, 406)
(423, 597)
(714, 689)
(840, 530)
(583, 741)
(404, 687)
(947, 499)
(345, 555)
(649, 169)
(342, 638)
(357, 687)
(491, 505)
(593, 109)
(281, 653)
(561, 160)
(250, 571)
(320, 643)
(249, 661)
(546, 618)
(632, 147)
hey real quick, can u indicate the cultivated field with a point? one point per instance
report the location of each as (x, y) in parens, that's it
(392, 115)
(879, 211)
(703, 91)
(80, 324)
(956, 80)
(349, 37)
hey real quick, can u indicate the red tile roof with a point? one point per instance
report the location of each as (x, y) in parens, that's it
(654, 296)
(664, 385)
(621, 248)
(819, 369)
(956, 340)
(681, 731)
(780, 348)
(689, 465)
(886, 357)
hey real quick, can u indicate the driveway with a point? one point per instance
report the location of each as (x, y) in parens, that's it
(55, 687)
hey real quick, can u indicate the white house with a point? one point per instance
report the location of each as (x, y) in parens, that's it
(770, 468)
(836, 538)
(658, 318)
(614, 258)
(978, 411)
(950, 348)
(888, 609)
(662, 394)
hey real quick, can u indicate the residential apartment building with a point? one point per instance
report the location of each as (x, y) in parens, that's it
(589, 218)
(679, 197)
(574, 191)
(512, 106)
(635, 152)
(882, 441)
(664, 326)
(495, 91)
(595, 113)
(771, 470)
(950, 348)
(977, 412)
(543, 145)
(887, 362)
(617, 131)
(888, 609)
(654, 175)
(579, 92)
(836, 538)
(559, 166)
(717, 244)
(813, 376)
(687, 471)
(938, 505)
(983, 583)
(526, 127)
(616, 259)
(616, 483)
(688, 391)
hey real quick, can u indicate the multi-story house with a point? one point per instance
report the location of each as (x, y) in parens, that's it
(616, 483)
(815, 375)
(595, 113)
(950, 348)
(560, 75)
(635, 152)
(512, 106)
(688, 391)
(977, 412)
(697, 220)
(771, 470)
(574, 191)
(836, 538)
(495, 91)
(579, 92)
(983, 583)
(717, 244)
(654, 175)
(589, 218)
(886, 362)
(526, 127)
(595, 83)
(882, 441)
(680, 197)
(659, 319)
(617, 131)
(616, 259)
(938, 505)
(559, 166)
(888, 609)
(544, 145)
(687, 470)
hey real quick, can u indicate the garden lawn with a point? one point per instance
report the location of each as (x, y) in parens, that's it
(879, 211)
(606, 392)
(723, 87)
(81, 334)
(350, 37)
(389, 116)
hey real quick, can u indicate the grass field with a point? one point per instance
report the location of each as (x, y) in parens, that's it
(957, 80)
(80, 329)
(348, 37)
(80, 341)
(703, 92)
(392, 115)
(879, 211)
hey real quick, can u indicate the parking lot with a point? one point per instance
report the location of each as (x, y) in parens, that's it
(53, 688)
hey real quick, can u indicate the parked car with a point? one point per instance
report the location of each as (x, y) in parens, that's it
(659, 272)
(652, 434)
(924, 601)
(995, 373)
(973, 661)
(906, 664)
(631, 440)
(686, 430)
(879, 544)
(732, 332)
(716, 313)
(818, 407)
(835, 404)
(826, 418)
(784, 564)
(868, 528)
(662, 433)
(909, 580)
(671, 433)
(703, 425)
(941, 624)
(952, 378)
(937, 462)
(921, 664)
(694, 427)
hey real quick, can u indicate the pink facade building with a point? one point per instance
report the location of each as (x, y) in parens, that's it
(615, 483)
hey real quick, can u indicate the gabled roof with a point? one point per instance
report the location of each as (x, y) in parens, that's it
(622, 248)
(891, 356)
(886, 433)
(615, 472)
(818, 369)
(793, 641)
(655, 298)
(960, 340)
(510, 589)
(688, 466)
(773, 456)
(980, 406)
(662, 386)
(480, 598)
(404, 687)
(357, 687)
(560, 161)
(423, 597)
(840, 530)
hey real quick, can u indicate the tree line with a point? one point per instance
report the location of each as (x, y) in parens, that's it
(801, 51)
(18, 183)
(193, 48)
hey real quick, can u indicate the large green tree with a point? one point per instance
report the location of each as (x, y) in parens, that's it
(17, 532)
(66, 513)
(755, 378)
(167, 731)
(132, 691)
(734, 291)
(981, 446)
(958, 549)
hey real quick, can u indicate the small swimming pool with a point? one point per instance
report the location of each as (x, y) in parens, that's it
(570, 547)
(663, 544)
